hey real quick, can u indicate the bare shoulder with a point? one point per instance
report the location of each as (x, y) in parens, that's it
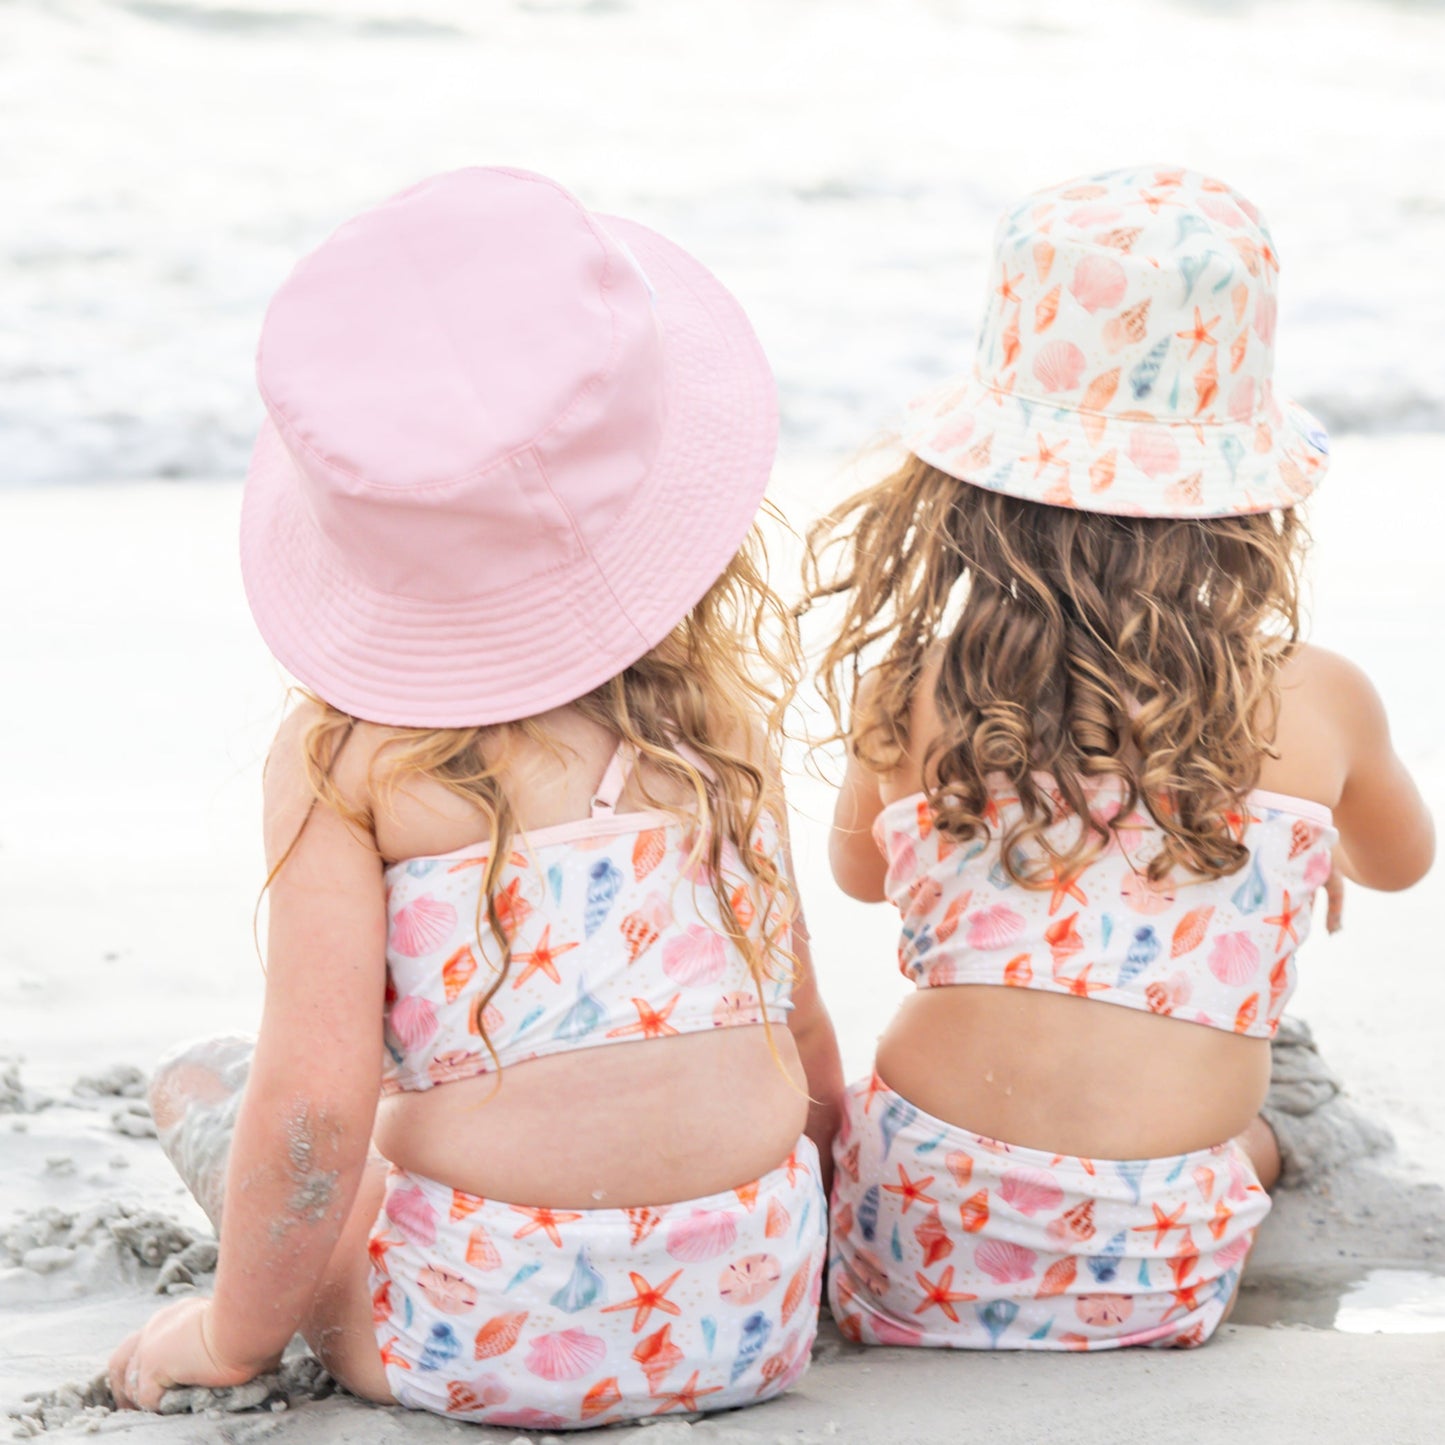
(1334, 688)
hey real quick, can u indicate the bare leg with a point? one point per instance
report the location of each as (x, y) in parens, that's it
(195, 1095)
(1259, 1143)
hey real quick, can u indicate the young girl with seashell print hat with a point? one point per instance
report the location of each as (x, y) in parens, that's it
(532, 929)
(1102, 779)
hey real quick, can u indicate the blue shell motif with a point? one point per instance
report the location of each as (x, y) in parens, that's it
(1105, 1266)
(554, 881)
(604, 882)
(1142, 952)
(1192, 268)
(756, 1329)
(1131, 1171)
(585, 1288)
(1143, 377)
(528, 1019)
(1250, 895)
(867, 1215)
(929, 1145)
(1144, 1280)
(1190, 226)
(1042, 1333)
(522, 1276)
(709, 1332)
(1233, 450)
(584, 1015)
(1177, 1170)
(441, 1346)
(896, 1117)
(1106, 929)
(420, 867)
(997, 1315)
(895, 1245)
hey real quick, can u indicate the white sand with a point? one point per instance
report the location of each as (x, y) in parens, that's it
(139, 702)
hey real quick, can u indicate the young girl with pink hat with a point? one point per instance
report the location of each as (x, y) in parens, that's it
(532, 925)
(1101, 778)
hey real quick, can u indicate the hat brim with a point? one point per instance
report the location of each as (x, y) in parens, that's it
(1118, 463)
(507, 655)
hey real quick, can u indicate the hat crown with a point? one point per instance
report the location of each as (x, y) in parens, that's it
(1147, 292)
(469, 380)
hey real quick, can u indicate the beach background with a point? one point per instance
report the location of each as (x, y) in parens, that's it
(840, 164)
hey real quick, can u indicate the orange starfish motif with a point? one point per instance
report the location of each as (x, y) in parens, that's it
(1066, 885)
(1046, 456)
(542, 959)
(651, 1023)
(1201, 333)
(1284, 920)
(512, 908)
(876, 1086)
(941, 1294)
(1007, 289)
(911, 1190)
(687, 1397)
(1080, 986)
(1163, 1224)
(1186, 1298)
(544, 1219)
(645, 1299)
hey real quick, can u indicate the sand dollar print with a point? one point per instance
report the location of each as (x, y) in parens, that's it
(749, 1279)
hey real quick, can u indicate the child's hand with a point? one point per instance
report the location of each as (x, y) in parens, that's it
(170, 1349)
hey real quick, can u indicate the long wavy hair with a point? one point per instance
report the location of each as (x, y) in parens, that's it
(1072, 647)
(706, 708)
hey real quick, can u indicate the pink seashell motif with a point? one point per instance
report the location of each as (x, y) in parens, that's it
(1266, 313)
(954, 433)
(748, 1279)
(1153, 451)
(704, 1234)
(413, 1021)
(1005, 1262)
(565, 1355)
(448, 1292)
(413, 1216)
(1317, 868)
(1096, 213)
(888, 1331)
(422, 925)
(1099, 282)
(1234, 958)
(1218, 209)
(1241, 400)
(1233, 1253)
(994, 927)
(1058, 366)
(696, 958)
(1030, 1191)
(871, 1272)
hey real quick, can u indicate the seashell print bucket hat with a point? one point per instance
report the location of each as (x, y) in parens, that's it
(508, 447)
(1126, 358)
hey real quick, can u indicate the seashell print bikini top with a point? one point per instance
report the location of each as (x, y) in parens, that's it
(614, 939)
(1218, 952)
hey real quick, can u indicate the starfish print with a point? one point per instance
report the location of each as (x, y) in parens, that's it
(512, 908)
(544, 1219)
(1201, 333)
(911, 1190)
(941, 1294)
(1081, 986)
(651, 1023)
(542, 959)
(645, 1299)
(1066, 885)
(1163, 1224)
(876, 1086)
(1046, 456)
(687, 1397)
(1284, 920)
(1186, 1298)
(1222, 1215)
(1007, 289)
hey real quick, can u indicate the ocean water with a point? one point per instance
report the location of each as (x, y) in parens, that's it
(838, 162)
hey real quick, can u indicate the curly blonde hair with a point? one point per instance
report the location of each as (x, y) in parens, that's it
(694, 707)
(1073, 647)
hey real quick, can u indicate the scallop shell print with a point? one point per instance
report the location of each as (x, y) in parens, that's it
(1030, 1191)
(1233, 959)
(1005, 1262)
(697, 958)
(1099, 282)
(703, 1235)
(565, 1355)
(413, 1021)
(1058, 366)
(994, 927)
(422, 925)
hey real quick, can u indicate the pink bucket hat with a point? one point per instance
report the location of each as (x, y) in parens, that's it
(1126, 358)
(509, 446)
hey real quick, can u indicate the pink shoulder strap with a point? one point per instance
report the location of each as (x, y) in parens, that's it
(614, 780)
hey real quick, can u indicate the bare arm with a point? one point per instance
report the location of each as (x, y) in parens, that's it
(305, 1124)
(858, 867)
(812, 1031)
(1387, 837)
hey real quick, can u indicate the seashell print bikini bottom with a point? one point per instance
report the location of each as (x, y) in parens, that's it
(509, 1314)
(943, 1238)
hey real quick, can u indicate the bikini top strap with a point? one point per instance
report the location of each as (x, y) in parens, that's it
(614, 780)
